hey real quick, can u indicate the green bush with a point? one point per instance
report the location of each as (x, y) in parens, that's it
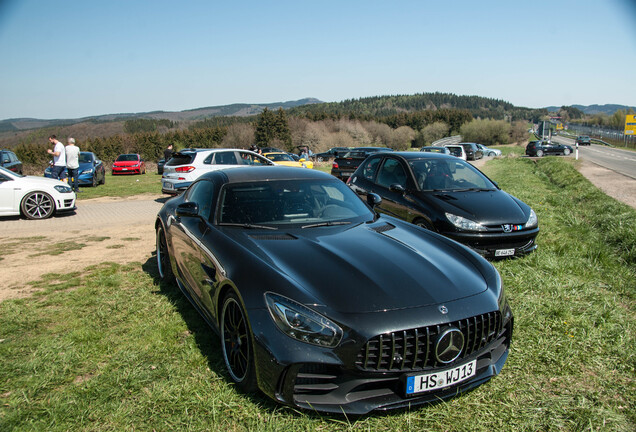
(487, 132)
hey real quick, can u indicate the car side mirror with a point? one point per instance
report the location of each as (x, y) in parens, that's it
(373, 200)
(188, 209)
(397, 188)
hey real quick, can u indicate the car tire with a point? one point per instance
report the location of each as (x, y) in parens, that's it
(163, 256)
(37, 205)
(236, 344)
(424, 224)
(103, 182)
(94, 182)
(566, 151)
(539, 153)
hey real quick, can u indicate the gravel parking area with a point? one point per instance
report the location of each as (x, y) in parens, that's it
(101, 230)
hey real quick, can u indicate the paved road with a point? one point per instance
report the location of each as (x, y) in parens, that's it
(620, 161)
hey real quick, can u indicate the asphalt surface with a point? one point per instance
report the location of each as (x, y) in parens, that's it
(617, 160)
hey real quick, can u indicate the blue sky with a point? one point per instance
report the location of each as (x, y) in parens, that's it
(69, 59)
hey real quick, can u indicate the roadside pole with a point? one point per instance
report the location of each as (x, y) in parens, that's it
(577, 151)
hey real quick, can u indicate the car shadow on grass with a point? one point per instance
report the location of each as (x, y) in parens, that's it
(206, 339)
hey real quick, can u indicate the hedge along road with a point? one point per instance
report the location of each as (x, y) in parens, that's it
(101, 230)
(121, 230)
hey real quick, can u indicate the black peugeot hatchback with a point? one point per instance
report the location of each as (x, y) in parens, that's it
(448, 195)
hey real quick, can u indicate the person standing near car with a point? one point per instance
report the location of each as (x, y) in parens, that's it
(58, 170)
(167, 153)
(72, 163)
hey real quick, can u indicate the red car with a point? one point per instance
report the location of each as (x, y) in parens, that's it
(129, 164)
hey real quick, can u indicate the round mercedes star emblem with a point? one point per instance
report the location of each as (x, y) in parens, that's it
(449, 345)
(443, 309)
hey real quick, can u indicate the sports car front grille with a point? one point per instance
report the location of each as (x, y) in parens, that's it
(414, 349)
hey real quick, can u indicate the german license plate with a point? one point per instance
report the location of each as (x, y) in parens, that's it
(124, 169)
(504, 252)
(167, 185)
(438, 380)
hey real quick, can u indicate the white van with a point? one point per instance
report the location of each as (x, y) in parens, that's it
(457, 150)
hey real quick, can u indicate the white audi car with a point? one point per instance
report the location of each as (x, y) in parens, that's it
(33, 197)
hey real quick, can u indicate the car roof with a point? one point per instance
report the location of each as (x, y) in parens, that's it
(267, 173)
(409, 155)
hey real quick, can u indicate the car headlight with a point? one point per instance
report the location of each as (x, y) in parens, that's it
(532, 220)
(301, 323)
(465, 224)
(88, 171)
(63, 189)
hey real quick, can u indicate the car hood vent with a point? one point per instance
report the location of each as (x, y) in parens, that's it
(383, 228)
(272, 237)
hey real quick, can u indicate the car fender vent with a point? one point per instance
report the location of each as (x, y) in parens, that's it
(383, 228)
(273, 237)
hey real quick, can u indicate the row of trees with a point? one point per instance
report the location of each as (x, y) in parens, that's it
(383, 121)
(149, 145)
(614, 121)
(148, 125)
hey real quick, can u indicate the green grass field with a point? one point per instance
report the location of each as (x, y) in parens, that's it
(110, 348)
(124, 185)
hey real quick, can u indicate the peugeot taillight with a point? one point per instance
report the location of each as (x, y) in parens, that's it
(184, 169)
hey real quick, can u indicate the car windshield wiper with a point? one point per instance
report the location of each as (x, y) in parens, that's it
(329, 223)
(472, 190)
(248, 226)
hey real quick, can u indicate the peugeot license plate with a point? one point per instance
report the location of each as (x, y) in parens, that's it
(504, 252)
(439, 380)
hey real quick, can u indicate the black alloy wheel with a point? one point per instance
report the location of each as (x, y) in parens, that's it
(163, 256)
(37, 205)
(236, 343)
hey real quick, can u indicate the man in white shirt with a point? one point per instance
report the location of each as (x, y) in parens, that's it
(59, 159)
(72, 163)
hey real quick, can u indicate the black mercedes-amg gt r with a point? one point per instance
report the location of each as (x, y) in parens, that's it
(323, 304)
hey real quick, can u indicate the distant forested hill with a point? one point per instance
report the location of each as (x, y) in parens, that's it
(385, 106)
(236, 110)
(608, 109)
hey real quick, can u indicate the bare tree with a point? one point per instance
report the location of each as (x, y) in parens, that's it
(239, 135)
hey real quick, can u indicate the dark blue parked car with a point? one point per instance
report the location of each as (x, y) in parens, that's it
(91, 170)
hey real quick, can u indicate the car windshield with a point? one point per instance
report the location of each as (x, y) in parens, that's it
(449, 175)
(279, 157)
(85, 158)
(127, 158)
(455, 150)
(278, 203)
